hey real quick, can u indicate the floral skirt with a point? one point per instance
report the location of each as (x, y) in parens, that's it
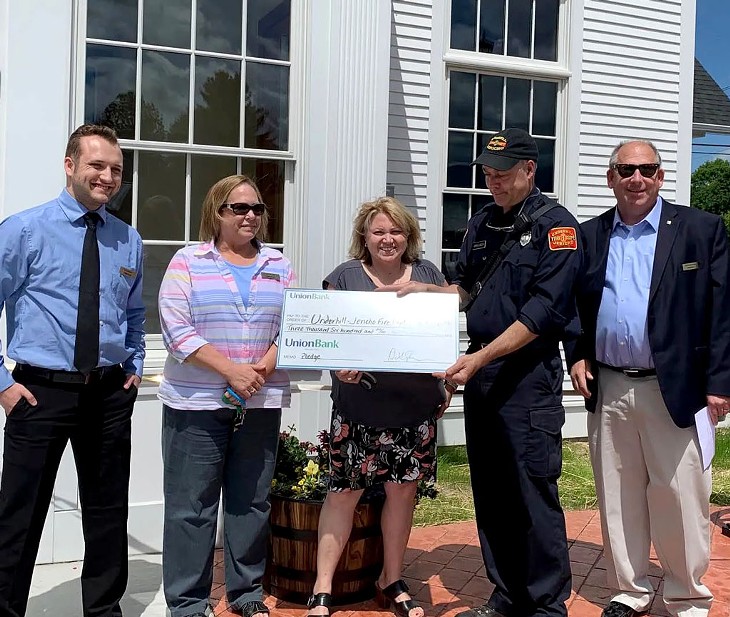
(362, 455)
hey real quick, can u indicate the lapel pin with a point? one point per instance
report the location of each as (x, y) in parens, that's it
(669, 222)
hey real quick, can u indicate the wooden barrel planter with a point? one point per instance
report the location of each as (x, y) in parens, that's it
(292, 564)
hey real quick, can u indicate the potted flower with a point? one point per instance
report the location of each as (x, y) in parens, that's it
(297, 492)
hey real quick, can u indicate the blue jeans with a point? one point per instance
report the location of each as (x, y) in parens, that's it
(202, 455)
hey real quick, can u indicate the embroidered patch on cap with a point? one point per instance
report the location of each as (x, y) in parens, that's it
(562, 238)
(497, 143)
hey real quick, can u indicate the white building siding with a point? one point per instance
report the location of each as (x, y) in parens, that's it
(408, 114)
(631, 87)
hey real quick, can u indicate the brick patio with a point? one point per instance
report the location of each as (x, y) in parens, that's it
(445, 573)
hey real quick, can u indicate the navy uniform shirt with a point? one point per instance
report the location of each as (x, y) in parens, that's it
(534, 284)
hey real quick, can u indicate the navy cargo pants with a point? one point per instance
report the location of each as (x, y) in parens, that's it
(513, 418)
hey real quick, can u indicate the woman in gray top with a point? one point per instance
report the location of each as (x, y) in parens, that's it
(383, 424)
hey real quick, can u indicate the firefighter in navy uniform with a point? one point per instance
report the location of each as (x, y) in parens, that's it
(513, 378)
(517, 268)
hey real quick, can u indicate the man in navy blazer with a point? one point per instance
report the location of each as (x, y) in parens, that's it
(654, 349)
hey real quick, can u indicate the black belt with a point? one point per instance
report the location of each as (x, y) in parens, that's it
(634, 373)
(71, 377)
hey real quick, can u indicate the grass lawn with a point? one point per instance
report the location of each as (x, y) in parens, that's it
(577, 492)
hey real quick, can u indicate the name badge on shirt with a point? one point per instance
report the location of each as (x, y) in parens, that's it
(127, 272)
(691, 265)
(482, 244)
(272, 276)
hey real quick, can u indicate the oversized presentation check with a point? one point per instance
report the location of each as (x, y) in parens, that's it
(366, 330)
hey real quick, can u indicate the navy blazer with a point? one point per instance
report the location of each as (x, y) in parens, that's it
(689, 310)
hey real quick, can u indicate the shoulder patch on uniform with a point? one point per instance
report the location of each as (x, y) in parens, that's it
(562, 238)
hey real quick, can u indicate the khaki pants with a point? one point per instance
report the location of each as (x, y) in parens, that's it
(651, 489)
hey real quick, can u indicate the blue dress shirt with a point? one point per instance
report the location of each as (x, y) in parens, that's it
(41, 250)
(622, 337)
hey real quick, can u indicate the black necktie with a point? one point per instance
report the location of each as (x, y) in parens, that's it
(86, 348)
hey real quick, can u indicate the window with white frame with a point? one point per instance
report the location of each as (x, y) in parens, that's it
(520, 28)
(196, 90)
(488, 92)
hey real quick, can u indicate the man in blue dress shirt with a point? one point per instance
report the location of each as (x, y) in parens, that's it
(71, 283)
(654, 350)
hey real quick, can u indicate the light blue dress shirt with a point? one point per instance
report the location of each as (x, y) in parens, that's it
(41, 250)
(622, 337)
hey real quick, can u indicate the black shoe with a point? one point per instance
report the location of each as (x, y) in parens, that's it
(320, 599)
(385, 597)
(250, 608)
(619, 609)
(481, 611)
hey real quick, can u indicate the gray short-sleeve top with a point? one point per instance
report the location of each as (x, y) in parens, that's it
(396, 399)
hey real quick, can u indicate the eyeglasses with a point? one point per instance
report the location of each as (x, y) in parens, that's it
(648, 170)
(244, 209)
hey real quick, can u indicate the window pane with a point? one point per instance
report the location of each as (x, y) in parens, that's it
(490, 103)
(519, 28)
(448, 265)
(217, 101)
(165, 90)
(544, 101)
(267, 106)
(482, 141)
(456, 216)
(491, 26)
(218, 26)
(205, 171)
(461, 100)
(167, 22)
(121, 204)
(269, 177)
(267, 30)
(463, 24)
(460, 156)
(115, 20)
(517, 109)
(546, 29)
(479, 201)
(110, 88)
(155, 262)
(545, 175)
(161, 201)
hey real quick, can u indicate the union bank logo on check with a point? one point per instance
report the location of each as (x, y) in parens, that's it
(317, 343)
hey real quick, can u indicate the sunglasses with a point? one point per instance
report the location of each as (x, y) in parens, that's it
(243, 209)
(648, 170)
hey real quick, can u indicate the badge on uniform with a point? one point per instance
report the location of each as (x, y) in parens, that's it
(525, 238)
(563, 239)
(272, 276)
(128, 272)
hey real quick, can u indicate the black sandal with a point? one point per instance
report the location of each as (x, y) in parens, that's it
(320, 599)
(386, 596)
(248, 609)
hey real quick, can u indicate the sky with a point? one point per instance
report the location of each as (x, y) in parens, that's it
(712, 49)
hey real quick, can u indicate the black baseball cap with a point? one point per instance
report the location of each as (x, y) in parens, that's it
(506, 148)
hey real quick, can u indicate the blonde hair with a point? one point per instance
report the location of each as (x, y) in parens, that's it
(397, 213)
(210, 217)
